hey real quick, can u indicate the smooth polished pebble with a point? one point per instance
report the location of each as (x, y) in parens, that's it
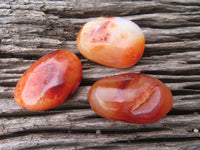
(112, 41)
(49, 81)
(131, 97)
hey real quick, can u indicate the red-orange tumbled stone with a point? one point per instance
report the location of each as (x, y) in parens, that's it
(49, 81)
(112, 41)
(131, 97)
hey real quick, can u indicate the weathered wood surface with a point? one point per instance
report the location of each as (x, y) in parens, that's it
(29, 29)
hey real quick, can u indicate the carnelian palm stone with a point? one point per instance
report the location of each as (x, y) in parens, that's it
(130, 97)
(112, 41)
(49, 81)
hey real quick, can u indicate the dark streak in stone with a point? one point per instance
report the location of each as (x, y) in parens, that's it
(124, 84)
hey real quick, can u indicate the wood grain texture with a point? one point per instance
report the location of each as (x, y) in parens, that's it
(30, 29)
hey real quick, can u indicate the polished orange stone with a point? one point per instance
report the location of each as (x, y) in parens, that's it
(49, 81)
(112, 41)
(131, 97)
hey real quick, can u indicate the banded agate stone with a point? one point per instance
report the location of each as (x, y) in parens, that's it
(130, 97)
(49, 81)
(112, 41)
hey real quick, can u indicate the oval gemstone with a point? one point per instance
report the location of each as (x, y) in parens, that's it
(112, 41)
(49, 81)
(130, 97)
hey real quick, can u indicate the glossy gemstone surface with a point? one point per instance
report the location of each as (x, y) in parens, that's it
(131, 97)
(113, 41)
(49, 81)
